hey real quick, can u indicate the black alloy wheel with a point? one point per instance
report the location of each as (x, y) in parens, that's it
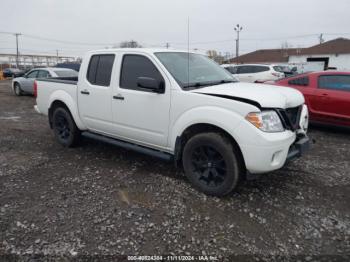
(209, 166)
(64, 127)
(211, 163)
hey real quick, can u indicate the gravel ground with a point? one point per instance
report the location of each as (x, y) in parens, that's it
(102, 200)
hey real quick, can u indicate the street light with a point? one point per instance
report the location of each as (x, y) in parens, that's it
(238, 29)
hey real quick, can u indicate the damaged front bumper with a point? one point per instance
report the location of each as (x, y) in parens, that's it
(298, 148)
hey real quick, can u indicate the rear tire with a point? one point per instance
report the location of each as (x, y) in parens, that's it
(17, 89)
(65, 130)
(211, 164)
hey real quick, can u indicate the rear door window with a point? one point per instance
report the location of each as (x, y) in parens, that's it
(259, 69)
(100, 69)
(245, 69)
(135, 66)
(300, 81)
(43, 74)
(334, 82)
(33, 74)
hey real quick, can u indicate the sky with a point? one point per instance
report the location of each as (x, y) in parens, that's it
(75, 26)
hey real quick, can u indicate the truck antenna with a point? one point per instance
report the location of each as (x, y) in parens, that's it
(188, 50)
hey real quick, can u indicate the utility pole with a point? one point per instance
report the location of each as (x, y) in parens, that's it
(167, 45)
(321, 39)
(238, 29)
(17, 53)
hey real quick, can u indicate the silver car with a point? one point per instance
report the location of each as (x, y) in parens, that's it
(25, 84)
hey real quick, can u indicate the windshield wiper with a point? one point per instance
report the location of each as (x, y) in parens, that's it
(202, 84)
(197, 84)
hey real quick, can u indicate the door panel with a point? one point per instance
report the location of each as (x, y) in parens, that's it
(141, 115)
(333, 97)
(95, 94)
(27, 84)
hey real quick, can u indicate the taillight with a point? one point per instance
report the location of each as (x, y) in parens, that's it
(35, 89)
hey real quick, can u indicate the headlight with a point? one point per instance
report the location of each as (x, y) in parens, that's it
(267, 121)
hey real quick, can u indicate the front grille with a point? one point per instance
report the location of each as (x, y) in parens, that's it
(290, 117)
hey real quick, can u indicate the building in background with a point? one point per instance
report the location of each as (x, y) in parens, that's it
(28, 61)
(333, 54)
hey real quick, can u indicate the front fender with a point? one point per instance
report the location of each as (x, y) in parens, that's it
(68, 100)
(217, 116)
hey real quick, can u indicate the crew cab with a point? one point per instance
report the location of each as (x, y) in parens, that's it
(327, 95)
(178, 106)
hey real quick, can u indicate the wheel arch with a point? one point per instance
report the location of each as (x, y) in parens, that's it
(55, 103)
(14, 83)
(198, 128)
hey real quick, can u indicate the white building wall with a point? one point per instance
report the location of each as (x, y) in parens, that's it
(340, 61)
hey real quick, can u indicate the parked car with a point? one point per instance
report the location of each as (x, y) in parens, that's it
(255, 73)
(286, 70)
(74, 66)
(12, 72)
(25, 84)
(200, 117)
(326, 93)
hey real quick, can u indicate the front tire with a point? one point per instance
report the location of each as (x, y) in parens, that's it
(17, 89)
(65, 130)
(211, 164)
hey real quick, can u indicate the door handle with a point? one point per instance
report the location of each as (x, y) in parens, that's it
(85, 92)
(119, 97)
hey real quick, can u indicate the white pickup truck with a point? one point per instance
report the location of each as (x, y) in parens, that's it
(178, 106)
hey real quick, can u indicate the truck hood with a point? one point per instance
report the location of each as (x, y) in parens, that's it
(260, 95)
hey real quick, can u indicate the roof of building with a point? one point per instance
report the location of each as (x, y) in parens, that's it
(336, 46)
(266, 56)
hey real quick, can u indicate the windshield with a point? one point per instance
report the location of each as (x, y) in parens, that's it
(194, 70)
(66, 73)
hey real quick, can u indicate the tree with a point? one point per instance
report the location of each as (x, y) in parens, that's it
(217, 57)
(286, 45)
(129, 44)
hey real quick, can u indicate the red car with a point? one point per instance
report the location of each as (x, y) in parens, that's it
(327, 95)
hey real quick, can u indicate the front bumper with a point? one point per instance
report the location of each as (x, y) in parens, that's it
(299, 148)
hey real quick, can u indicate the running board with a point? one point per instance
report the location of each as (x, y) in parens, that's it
(129, 146)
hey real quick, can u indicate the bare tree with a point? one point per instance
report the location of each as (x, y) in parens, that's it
(217, 57)
(285, 45)
(129, 44)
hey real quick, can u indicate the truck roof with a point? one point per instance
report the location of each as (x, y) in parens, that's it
(143, 50)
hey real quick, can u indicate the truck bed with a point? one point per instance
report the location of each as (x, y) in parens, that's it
(50, 89)
(63, 80)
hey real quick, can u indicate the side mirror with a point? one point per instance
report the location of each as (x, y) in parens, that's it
(151, 84)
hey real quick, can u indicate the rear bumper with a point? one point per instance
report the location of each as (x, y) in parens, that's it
(299, 148)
